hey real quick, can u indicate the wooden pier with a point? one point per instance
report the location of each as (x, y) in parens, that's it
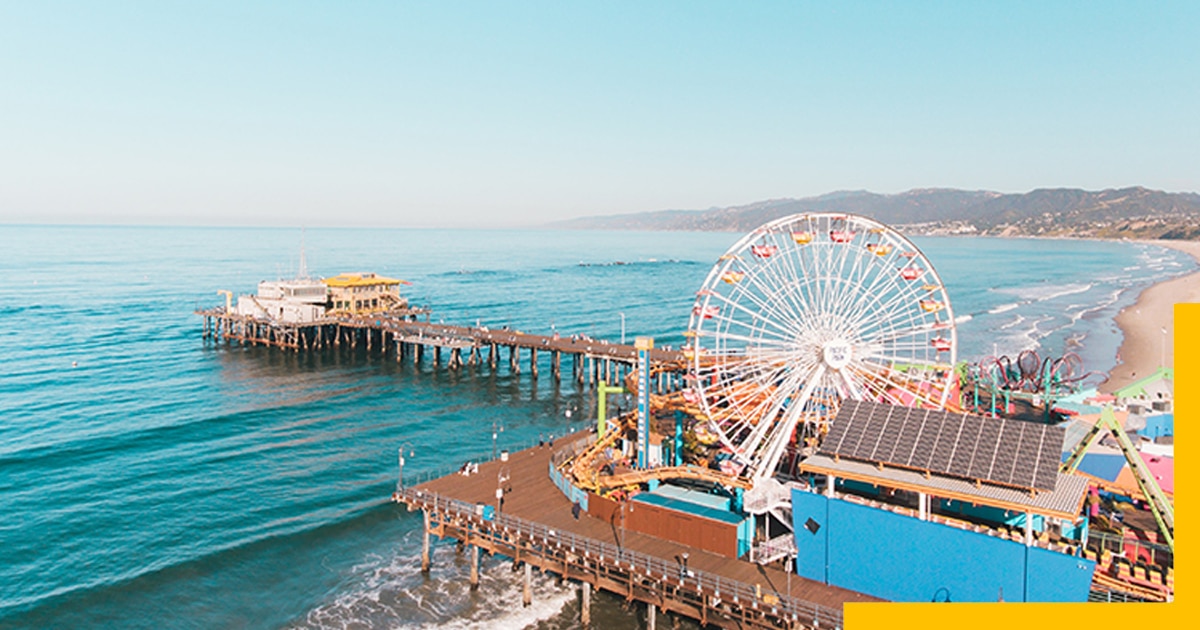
(537, 527)
(401, 334)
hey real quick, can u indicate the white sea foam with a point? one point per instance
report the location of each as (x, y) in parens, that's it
(1015, 322)
(963, 318)
(1004, 308)
(1047, 292)
(389, 592)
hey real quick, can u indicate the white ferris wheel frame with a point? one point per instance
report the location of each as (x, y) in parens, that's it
(830, 318)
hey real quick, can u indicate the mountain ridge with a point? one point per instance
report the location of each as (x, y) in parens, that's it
(1131, 212)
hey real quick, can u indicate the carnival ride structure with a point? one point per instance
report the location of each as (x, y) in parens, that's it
(798, 315)
(1160, 506)
(1035, 381)
(809, 310)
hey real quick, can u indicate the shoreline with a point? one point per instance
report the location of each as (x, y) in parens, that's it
(1145, 346)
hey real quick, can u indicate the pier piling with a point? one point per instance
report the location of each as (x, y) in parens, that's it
(474, 567)
(527, 590)
(425, 545)
(585, 612)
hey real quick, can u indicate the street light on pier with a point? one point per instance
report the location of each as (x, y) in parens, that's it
(497, 428)
(400, 478)
(790, 564)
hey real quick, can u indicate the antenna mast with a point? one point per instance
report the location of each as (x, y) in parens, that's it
(303, 262)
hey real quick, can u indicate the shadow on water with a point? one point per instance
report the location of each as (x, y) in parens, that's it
(260, 584)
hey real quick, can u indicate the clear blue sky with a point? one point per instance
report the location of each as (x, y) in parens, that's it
(493, 113)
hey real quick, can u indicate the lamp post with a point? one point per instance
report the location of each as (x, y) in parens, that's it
(1163, 355)
(400, 478)
(497, 428)
(789, 577)
(622, 328)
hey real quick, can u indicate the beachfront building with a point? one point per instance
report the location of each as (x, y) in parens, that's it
(1152, 393)
(296, 301)
(357, 293)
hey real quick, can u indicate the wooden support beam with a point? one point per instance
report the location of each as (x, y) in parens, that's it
(585, 612)
(425, 548)
(527, 589)
(474, 567)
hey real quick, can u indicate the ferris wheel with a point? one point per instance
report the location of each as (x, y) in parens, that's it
(809, 310)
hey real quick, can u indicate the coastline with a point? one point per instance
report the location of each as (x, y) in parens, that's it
(1145, 347)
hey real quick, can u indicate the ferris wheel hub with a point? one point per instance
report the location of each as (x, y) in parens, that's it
(837, 354)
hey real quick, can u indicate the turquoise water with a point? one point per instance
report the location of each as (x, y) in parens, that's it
(151, 479)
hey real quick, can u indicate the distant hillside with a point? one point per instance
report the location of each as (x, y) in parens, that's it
(1129, 212)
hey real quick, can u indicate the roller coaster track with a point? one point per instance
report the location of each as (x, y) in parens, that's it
(1029, 372)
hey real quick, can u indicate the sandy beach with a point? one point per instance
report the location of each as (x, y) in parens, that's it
(1145, 346)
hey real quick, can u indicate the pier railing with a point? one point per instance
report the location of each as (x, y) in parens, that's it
(1158, 553)
(419, 477)
(711, 588)
(563, 481)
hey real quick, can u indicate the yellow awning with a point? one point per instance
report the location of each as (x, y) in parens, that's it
(361, 280)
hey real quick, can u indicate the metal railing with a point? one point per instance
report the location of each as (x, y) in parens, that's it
(419, 477)
(711, 588)
(1099, 594)
(1160, 554)
(572, 448)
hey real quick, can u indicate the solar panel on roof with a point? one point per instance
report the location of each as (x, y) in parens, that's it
(968, 444)
(906, 441)
(1009, 452)
(875, 421)
(1027, 456)
(875, 428)
(985, 454)
(838, 430)
(1010, 436)
(891, 432)
(926, 440)
(944, 448)
(1046, 476)
(855, 434)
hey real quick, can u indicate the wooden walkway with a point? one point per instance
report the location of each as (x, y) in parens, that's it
(402, 334)
(531, 496)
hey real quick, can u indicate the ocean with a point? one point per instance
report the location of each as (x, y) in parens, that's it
(151, 479)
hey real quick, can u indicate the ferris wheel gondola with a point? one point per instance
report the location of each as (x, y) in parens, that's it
(807, 311)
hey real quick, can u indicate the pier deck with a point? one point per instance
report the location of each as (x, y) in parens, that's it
(400, 333)
(532, 497)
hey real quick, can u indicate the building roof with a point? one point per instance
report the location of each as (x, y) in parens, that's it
(1138, 388)
(1007, 452)
(361, 280)
(1064, 501)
